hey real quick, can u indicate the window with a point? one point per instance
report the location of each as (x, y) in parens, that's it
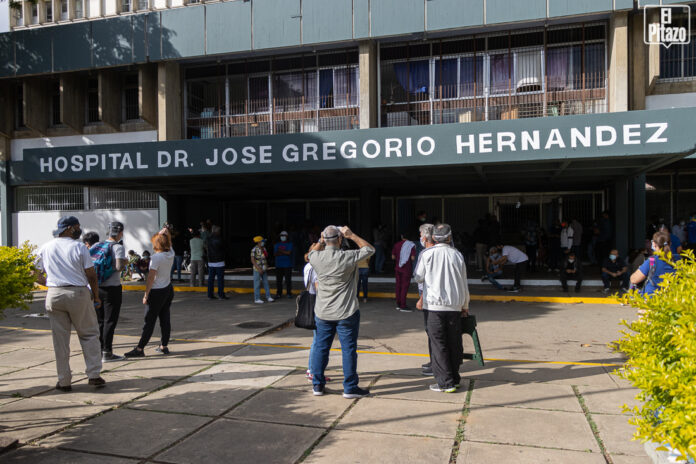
(338, 87)
(258, 94)
(19, 106)
(108, 198)
(34, 13)
(295, 91)
(53, 198)
(131, 107)
(19, 15)
(126, 6)
(678, 62)
(143, 5)
(79, 10)
(55, 103)
(64, 10)
(49, 11)
(92, 100)
(505, 76)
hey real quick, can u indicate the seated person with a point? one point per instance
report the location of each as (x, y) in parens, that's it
(571, 270)
(654, 268)
(614, 268)
(493, 268)
(143, 265)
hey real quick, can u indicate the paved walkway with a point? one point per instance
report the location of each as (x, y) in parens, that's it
(233, 390)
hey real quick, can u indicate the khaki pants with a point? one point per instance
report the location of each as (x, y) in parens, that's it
(197, 271)
(68, 306)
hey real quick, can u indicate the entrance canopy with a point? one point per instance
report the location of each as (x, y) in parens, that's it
(536, 153)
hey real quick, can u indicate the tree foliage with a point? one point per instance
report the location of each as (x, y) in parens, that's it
(16, 276)
(661, 350)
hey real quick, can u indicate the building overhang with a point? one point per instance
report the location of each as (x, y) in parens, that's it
(530, 153)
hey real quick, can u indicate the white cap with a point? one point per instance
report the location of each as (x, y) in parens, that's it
(284, 233)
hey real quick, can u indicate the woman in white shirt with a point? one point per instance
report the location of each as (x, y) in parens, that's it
(158, 294)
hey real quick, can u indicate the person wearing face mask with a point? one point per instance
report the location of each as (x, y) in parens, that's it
(73, 292)
(571, 270)
(679, 229)
(259, 261)
(283, 261)
(656, 267)
(493, 269)
(403, 254)
(614, 268)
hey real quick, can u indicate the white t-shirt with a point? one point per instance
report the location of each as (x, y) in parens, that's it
(310, 277)
(64, 261)
(514, 255)
(162, 263)
(118, 251)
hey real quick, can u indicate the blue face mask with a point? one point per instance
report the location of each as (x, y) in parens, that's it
(612, 257)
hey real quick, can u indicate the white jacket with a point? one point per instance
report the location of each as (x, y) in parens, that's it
(567, 237)
(442, 270)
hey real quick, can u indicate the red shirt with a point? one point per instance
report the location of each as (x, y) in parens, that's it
(396, 252)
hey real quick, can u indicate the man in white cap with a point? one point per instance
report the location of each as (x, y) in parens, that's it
(442, 271)
(68, 270)
(283, 262)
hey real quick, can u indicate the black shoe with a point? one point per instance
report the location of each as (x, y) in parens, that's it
(66, 388)
(427, 372)
(163, 350)
(98, 382)
(135, 353)
(426, 365)
(514, 290)
(108, 356)
(223, 297)
(356, 393)
(212, 297)
(278, 296)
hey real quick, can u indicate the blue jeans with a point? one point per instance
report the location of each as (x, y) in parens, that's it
(214, 272)
(491, 279)
(347, 330)
(176, 265)
(257, 285)
(363, 274)
(311, 350)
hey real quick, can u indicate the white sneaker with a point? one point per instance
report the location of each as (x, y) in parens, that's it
(258, 301)
(270, 300)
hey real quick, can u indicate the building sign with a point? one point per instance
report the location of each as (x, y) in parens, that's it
(673, 26)
(571, 137)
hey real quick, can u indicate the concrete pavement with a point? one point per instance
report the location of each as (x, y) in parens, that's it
(233, 390)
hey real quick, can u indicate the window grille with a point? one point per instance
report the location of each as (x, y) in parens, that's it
(64, 10)
(106, 198)
(131, 110)
(49, 198)
(79, 10)
(92, 100)
(521, 74)
(143, 5)
(678, 62)
(126, 6)
(286, 95)
(49, 11)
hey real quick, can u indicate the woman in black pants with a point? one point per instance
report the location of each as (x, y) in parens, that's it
(158, 294)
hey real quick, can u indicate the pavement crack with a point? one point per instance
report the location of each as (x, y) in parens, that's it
(593, 425)
(459, 437)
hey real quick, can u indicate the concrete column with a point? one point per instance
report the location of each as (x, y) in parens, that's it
(638, 211)
(618, 62)
(147, 93)
(369, 212)
(36, 103)
(72, 101)
(644, 61)
(110, 98)
(369, 102)
(5, 194)
(620, 210)
(163, 213)
(7, 105)
(169, 114)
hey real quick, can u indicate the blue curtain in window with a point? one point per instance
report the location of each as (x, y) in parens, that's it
(467, 78)
(326, 88)
(414, 76)
(446, 78)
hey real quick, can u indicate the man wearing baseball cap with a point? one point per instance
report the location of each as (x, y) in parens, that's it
(68, 269)
(259, 261)
(111, 293)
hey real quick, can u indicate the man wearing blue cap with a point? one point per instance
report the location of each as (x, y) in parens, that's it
(68, 270)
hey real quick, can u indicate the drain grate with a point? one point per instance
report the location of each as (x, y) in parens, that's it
(254, 325)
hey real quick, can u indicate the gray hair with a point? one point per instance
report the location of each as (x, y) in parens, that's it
(216, 230)
(426, 230)
(331, 234)
(442, 233)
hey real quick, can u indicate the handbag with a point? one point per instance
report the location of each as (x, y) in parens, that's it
(304, 314)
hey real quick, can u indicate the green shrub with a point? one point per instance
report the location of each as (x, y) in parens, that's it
(16, 276)
(661, 350)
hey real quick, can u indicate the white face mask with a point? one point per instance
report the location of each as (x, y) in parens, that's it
(283, 238)
(422, 242)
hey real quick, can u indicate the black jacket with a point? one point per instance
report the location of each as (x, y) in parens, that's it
(216, 249)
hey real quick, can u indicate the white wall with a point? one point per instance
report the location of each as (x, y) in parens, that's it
(139, 225)
(19, 145)
(5, 12)
(672, 100)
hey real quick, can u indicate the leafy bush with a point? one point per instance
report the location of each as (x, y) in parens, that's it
(16, 276)
(661, 350)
